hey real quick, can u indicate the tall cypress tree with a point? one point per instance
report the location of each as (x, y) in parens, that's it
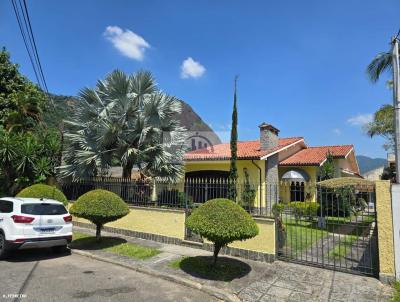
(233, 175)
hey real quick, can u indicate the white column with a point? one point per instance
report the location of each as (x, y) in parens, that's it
(396, 226)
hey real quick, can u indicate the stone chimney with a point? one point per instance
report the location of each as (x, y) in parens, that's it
(268, 136)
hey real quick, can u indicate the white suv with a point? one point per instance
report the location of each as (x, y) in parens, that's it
(33, 223)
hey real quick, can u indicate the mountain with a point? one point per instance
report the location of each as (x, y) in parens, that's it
(66, 105)
(367, 163)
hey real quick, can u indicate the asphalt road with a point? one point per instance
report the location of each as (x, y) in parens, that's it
(39, 275)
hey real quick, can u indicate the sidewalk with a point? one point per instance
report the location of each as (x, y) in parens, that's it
(278, 281)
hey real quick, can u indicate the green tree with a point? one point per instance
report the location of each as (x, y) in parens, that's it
(233, 174)
(125, 119)
(27, 158)
(27, 146)
(327, 171)
(21, 102)
(222, 221)
(383, 125)
(100, 207)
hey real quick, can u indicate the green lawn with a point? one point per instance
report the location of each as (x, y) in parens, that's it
(112, 245)
(302, 234)
(343, 246)
(396, 296)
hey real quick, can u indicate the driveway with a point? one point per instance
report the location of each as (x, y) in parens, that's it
(39, 275)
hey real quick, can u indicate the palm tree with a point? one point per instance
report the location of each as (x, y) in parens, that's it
(128, 120)
(380, 64)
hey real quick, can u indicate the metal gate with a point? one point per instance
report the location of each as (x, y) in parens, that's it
(336, 230)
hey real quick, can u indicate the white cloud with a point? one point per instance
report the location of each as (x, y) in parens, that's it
(127, 42)
(191, 69)
(360, 119)
(337, 131)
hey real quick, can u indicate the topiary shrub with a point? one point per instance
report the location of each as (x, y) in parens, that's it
(222, 221)
(99, 206)
(43, 191)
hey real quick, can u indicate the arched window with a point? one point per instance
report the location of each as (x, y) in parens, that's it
(297, 191)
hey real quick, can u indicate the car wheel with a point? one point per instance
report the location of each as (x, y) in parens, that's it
(3, 252)
(59, 249)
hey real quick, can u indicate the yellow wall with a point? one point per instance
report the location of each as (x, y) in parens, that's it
(385, 228)
(164, 222)
(264, 241)
(312, 171)
(254, 176)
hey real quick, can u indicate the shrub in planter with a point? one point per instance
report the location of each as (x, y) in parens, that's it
(222, 221)
(99, 206)
(43, 191)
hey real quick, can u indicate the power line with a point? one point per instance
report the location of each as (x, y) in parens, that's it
(25, 26)
(25, 40)
(34, 46)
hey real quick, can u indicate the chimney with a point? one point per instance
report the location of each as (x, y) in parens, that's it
(268, 136)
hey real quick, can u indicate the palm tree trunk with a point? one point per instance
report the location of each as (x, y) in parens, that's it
(127, 171)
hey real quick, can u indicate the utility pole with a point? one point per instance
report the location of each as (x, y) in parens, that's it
(396, 103)
(395, 188)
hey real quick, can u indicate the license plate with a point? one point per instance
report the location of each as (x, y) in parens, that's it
(47, 230)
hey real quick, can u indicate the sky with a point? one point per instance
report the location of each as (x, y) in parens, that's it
(301, 64)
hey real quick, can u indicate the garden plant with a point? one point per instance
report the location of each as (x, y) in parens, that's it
(222, 221)
(100, 207)
(43, 191)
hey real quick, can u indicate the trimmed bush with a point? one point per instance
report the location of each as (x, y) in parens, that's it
(100, 207)
(222, 221)
(43, 191)
(304, 209)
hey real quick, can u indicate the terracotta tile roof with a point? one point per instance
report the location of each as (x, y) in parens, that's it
(246, 150)
(314, 156)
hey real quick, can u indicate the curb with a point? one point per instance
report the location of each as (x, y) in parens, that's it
(208, 289)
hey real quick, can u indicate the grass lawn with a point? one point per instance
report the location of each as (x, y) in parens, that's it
(302, 234)
(226, 269)
(396, 296)
(112, 245)
(342, 247)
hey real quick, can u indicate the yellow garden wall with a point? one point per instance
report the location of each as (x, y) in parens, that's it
(165, 222)
(385, 229)
(254, 173)
(264, 242)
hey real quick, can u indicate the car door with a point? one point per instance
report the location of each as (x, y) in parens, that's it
(6, 209)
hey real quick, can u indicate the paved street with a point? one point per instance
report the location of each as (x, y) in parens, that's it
(42, 276)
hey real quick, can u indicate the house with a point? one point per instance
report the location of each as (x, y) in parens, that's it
(279, 169)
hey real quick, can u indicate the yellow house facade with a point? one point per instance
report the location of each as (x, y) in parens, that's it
(279, 169)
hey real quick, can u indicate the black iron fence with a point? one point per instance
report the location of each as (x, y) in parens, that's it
(332, 227)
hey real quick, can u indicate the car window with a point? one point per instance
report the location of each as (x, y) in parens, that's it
(6, 206)
(43, 209)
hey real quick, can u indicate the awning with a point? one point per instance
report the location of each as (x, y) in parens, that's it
(296, 175)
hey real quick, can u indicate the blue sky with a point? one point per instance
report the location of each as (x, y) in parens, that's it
(301, 64)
